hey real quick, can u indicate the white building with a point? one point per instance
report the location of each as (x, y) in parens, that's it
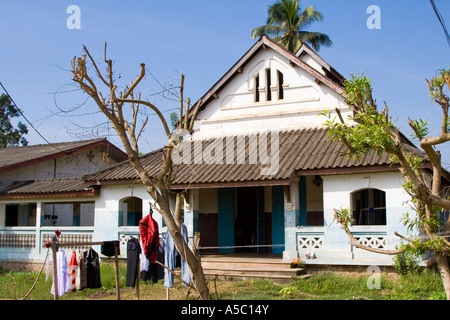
(260, 173)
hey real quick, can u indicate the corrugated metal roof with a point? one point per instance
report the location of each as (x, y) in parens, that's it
(49, 186)
(299, 150)
(12, 157)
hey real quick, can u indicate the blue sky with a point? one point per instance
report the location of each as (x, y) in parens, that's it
(203, 39)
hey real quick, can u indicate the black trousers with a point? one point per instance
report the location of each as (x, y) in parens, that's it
(133, 252)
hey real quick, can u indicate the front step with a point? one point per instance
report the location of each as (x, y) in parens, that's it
(238, 267)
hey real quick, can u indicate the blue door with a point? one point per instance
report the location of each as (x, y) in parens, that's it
(261, 237)
(277, 219)
(226, 219)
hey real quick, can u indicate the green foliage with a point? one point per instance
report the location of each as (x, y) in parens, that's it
(344, 216)
(173, 120)
(418, 286)
(10, 136)
(370, 130)
(421, 128)
(323, 286)
(357, 89)
(286, 23)
(437, 82)
(406, 263)
(288, 291)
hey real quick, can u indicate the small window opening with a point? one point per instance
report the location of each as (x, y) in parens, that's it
(369, 207)
(268, 84)
(256, 93)
(280, 86)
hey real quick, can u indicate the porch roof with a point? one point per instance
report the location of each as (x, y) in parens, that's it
(68, 187)
(301, 152)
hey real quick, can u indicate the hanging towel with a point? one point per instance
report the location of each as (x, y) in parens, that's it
(81, 275)
(73, 265)
(170, 255)
(62, 271)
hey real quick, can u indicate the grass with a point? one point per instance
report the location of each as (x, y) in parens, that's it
(324, 286)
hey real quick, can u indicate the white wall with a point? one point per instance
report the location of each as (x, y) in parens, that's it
(337, 195)
(107, 210)
(74, 165)
(235, 111)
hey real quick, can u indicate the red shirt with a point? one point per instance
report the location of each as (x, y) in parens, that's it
(148, 228)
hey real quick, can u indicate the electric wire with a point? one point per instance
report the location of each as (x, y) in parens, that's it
(26, 119)
(441, 21)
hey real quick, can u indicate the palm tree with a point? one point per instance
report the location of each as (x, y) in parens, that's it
(286, 21)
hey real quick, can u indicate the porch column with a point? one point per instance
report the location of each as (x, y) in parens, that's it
(191, 206)
(39, 212)
(2, 214)
(291, 212)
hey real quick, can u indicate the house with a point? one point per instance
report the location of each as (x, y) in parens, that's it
(259, 174)
(42, 190)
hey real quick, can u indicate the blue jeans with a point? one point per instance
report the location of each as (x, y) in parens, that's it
(170, 254)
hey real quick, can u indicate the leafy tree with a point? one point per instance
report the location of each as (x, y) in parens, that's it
(286, 22)
(369, 130)
(10, 136)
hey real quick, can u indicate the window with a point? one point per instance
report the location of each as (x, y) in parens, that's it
(68, 214)
(20, 215)
(280, 85)
(256, 92)
(130, 212)
(369, 207)
(268, 84)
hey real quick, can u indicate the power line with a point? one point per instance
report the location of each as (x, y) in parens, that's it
(31, 125)
(441, 20)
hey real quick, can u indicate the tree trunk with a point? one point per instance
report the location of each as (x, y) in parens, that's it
(194, 264)
(444, 270)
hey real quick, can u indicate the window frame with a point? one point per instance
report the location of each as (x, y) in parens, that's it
(369, 207)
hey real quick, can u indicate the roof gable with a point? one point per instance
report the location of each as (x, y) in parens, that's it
(17, 157)
(265, 43)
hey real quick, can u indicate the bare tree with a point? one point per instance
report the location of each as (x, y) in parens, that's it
(370, 130)
(122, 108)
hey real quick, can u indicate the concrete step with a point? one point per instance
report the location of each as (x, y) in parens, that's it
(257, 267)
(244, 261)
(254, 272)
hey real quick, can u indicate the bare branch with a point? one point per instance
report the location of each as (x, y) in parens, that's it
(150, 105)
(194, 115)
(356, 243)
(181, 98)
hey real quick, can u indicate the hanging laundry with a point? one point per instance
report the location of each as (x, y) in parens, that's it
(133, 252)
(107, 248)
(153, 271)
(62, 272)
(149, 231)
(92, 265)
(170, 255)
(81, 274)
(73, 265)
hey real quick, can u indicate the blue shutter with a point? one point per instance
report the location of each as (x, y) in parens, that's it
(278, 219)
(226, 219)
